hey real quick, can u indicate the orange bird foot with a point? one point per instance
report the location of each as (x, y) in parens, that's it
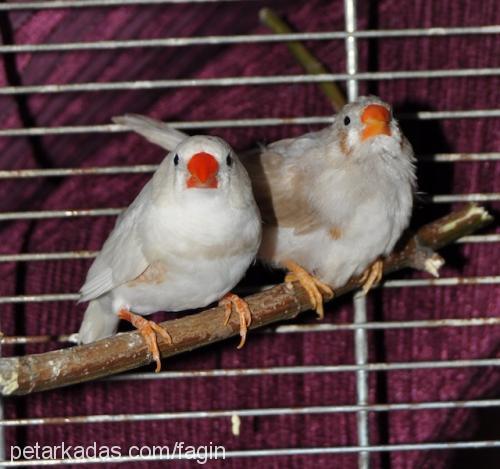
(314, 287)
(230, 301)
(372, 275)
(148, 330)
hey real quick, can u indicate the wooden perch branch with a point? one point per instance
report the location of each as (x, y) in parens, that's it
(26, 374)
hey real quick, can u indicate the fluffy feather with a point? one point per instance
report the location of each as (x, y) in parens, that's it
(333, 181)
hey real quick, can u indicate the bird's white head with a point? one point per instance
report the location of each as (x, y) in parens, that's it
(205, 168)
(366, 126)
(199, 166)
(202, 163)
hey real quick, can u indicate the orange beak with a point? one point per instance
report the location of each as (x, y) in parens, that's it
(376, 119)
(203, 168)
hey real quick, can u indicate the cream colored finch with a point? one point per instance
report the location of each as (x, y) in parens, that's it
(335, 202)
(186, 240)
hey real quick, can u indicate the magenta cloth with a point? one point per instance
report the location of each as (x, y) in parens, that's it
(261, 350)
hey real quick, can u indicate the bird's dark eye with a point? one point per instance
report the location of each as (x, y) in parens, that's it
(229, 160)
(347, 120)
(176, 160)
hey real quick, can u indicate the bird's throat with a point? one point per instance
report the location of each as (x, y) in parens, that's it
(194, 183)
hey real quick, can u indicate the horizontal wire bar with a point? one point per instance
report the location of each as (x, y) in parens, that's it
(370, 448)
(451, 198)
(205, 124)
(100, 212)
(443, 282)
(244, 81)
(149, 168)
(301, 370)
(386, 325)
(466, 114)
(245, 39)
(262, 412)
(43, 5)
(37, 339)
(491, 238)
(255, 122)
(48, 256)
(89, 171)
(44, 214)
(460, 157)
(39, 298)
(259, 453)
(69, 255)
(450, 281)
(300, 328)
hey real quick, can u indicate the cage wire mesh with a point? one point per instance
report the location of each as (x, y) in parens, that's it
(407, 378)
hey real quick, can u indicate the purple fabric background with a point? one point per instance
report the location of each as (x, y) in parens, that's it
(262, 350)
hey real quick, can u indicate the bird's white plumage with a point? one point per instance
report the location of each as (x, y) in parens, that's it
(175, 247)
(154, 131)
(111, 267)
(331, 201)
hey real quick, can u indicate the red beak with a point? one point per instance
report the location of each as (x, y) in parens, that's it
(203, 168)
(376, 119)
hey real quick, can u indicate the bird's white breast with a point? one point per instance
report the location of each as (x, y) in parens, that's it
(205, 246)
(368, 205)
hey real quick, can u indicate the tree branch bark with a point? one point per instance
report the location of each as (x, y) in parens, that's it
(31, 373)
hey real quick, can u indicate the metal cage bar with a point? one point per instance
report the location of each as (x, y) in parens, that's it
(359, 300)
(244, 81)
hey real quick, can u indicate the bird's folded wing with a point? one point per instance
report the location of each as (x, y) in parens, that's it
(281, 185)
(121, 258)
(300, 147)
(155, 131)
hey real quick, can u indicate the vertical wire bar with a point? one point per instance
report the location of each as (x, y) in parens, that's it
(360, 334)
(2, 435)
(361, 357)
(2, 428)
(2, 418)
(351, 48)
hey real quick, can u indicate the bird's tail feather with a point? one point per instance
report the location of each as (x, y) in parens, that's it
(153, 130)
(97, 323)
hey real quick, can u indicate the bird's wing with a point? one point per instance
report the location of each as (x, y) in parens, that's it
(121, 259)
(155, 131)
(300, 147)
(280, 183)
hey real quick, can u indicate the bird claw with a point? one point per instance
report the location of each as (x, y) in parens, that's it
(230, 301)
(149, 331)
(372, 275)
(314, 287)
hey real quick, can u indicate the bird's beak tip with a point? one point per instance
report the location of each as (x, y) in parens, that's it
(376, 119)
(203, 168)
